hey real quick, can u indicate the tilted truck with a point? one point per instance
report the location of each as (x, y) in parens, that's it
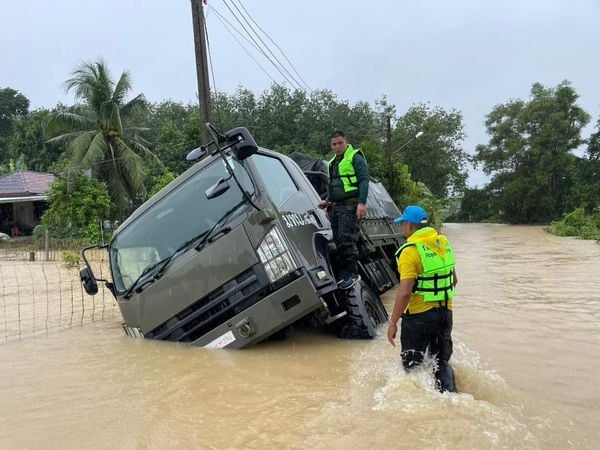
(235, 250)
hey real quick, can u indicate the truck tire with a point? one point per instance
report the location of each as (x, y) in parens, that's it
(365, 313)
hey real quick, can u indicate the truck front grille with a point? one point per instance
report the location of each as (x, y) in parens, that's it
(215, 308)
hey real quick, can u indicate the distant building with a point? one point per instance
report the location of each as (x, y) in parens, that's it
(23, 200)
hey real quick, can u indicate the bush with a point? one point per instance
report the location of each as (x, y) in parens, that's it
(71, 259)
(578, 223)
(76, 208)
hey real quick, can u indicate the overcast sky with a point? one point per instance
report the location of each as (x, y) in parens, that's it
(463, 54)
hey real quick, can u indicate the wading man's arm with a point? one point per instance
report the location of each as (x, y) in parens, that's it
(402, 297)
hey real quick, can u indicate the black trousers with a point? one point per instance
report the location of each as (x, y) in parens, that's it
(429, 330)
(344, 225)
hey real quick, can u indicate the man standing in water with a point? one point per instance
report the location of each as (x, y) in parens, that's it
(424, 298)
(348, 191)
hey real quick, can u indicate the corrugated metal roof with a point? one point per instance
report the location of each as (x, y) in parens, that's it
(25, 183)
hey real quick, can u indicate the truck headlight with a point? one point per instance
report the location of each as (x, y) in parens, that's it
(275, 256)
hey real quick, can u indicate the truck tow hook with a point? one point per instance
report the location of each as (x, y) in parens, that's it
(246, 328)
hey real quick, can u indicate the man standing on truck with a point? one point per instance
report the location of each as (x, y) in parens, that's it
(348, 191)
(424, 298)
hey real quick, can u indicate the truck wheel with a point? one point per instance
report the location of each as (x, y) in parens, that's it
(365, 312)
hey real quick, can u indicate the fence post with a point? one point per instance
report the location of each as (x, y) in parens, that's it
(47, 244)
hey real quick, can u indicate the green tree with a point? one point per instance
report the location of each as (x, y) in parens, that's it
(529, 153)
(238, 109)
(99, 136)
(286, 121)
(476, 206)
(161, 181)
(278, 117)
(585, 192)
(281, 117)
(29, 141)
(436, 158)
(13, 105)
(13, 166)
(77, 205)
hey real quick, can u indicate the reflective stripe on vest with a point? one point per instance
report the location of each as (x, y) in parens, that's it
(436, 283)
(346, 170)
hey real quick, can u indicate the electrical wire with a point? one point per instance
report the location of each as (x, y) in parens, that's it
(212, 72)
(266, 46)
(224, 21)
(274, 43)
(292, 82)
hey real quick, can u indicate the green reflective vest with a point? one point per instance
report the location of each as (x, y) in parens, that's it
(436, 283)
(346, 169)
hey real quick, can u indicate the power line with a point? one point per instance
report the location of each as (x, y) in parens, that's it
(261, 50)
(263, 42)
(293, 83)
(224, 21)
(274, 43)
(212, 72)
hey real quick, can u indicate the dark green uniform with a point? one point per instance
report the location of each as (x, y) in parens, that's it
(349, 185)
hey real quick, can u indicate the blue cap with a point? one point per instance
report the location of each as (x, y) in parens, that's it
(413, 214)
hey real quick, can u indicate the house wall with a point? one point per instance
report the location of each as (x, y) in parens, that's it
(23, 214)
(28, 214)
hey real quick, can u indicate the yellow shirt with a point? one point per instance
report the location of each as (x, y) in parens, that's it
(410, 266)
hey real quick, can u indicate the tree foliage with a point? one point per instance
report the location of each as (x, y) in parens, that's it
(29, 141)
(12, 166)
(13, 105)
(578, 223)
(99, 136)
(529, 154)
(436, 158)
(283, 117)
(476, 205)
(98, 133)
(585, 192)
(77, 205)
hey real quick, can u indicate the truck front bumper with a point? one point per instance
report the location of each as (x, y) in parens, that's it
(267, 316)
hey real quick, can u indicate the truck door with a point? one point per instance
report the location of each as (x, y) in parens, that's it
(295, 201)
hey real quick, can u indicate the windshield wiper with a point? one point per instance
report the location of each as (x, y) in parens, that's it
(145, 272)
(205, 236)
(216, 229)
(163, 263)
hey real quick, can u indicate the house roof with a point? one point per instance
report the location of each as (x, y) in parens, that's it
(25, 184)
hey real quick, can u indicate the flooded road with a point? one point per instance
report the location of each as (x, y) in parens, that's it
(527, 339)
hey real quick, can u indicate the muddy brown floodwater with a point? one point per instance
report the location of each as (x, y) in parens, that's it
(527, 339)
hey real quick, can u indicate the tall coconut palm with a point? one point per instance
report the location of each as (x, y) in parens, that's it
(97, 133)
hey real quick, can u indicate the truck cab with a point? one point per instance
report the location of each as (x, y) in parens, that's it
(235, 250)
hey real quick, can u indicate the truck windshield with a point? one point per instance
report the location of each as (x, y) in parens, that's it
(179, 216)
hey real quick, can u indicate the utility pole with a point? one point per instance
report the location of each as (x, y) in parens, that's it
(201, 63)
(390, 158)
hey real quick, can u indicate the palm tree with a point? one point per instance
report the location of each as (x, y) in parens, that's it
(97, 135)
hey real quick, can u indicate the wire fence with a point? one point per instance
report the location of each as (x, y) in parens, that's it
(29, 249)
(42, 295)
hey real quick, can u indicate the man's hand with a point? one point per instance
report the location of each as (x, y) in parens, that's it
(361, 210)
(391, 333)
(323, 204)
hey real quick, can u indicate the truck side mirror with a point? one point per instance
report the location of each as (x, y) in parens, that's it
(89, 281)
(197, 153)
(219, 188)
(242, 142)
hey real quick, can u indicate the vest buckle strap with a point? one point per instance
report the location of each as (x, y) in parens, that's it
(434, 290)
(436, 277)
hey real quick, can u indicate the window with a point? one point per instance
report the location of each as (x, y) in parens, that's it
(276, 178)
